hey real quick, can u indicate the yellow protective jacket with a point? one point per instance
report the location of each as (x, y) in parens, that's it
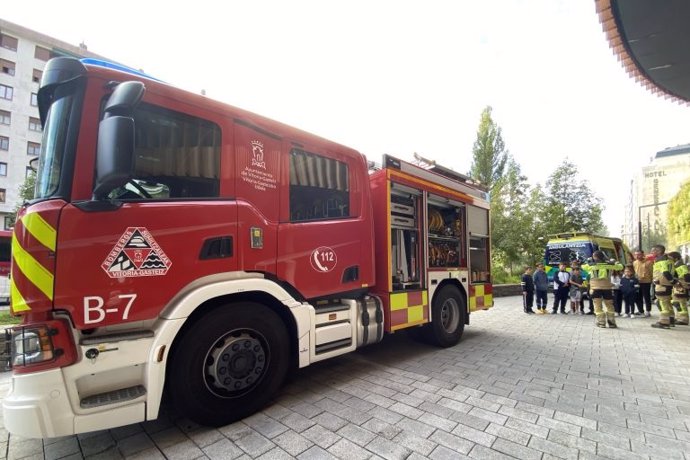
(683, 276)
(663, 271)
(600, 274)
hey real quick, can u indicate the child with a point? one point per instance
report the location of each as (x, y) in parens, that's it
(527, 291)
(628, 289)
(616, 291)
(575, 290)
(541, 286)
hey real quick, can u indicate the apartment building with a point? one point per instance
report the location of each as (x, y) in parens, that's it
(23, 55)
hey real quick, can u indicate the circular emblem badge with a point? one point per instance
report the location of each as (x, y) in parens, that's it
(323, 259)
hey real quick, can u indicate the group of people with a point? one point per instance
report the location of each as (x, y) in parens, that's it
(610, 285)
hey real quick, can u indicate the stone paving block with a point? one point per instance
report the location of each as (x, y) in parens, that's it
(476, 436)
(135, 444)
(330, 421)
(490, 416)
(483, 404)
(511, 412)
(438, 422)
(205, 436)
(385, 415)
(321, 436)
(168, 437)
(508, 434)
(484, 453)
(526, 427)
(275, 454)
(265, 425)
(452, 442)
(565, 427)
(553, 448)
(62, 448)
(185, 450)
(316, 453)
(95, 444)
(292, 442)
(516, 450)
(406, 410)
(110, 454)
(578, 442)
(652, 429)
(575, 420)
(247, 439)
(407, 399)
(416, 427)
(297, 422)
(152, 453)
(618, 454)
(444, 453)
(223, 449)
(415, 443)
(23, 447)
(388, 449)
(456, 406)
(347, 450)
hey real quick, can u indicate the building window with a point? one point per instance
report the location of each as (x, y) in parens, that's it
(3, 194)
(8, 222)
(3, 169)
(4, 143)
(319, 187)
(5, 117)
(6, 92)
(7, 66)
(33, 148)
(34, 124)
(34, 99)
(29, 171)
(8, 42)
(43, 54)
(36, 77)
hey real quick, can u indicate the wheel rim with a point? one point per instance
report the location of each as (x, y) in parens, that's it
(450, 315)
(236, 363)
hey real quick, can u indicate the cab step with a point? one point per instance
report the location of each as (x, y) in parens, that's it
(112, 397)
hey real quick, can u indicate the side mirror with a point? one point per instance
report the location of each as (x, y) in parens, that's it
(33, 165)
(115, 151)
(114, 156)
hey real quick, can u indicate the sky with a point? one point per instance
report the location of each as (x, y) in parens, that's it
(400, 76)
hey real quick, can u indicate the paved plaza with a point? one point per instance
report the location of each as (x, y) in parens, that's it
(517, 386)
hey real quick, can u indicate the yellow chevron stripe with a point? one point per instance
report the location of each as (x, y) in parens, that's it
(17, 300)
(40, 229)
(34, 271)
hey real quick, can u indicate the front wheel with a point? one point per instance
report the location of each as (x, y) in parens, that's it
(447, 317)
(229, 364)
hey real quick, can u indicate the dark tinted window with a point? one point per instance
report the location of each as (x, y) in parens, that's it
(176, 156)
(319, 187)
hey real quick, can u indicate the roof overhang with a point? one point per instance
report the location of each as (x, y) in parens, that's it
(651, 39)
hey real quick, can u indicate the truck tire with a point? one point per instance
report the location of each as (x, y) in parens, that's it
(447, 317)
(229, 364)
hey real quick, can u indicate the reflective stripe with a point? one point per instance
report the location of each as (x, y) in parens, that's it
(17, 301)
(32, 269)
(40, 229)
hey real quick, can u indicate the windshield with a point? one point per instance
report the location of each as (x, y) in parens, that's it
(568, 252)
(59, 133)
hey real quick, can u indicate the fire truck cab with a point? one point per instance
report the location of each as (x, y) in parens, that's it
(183, 245)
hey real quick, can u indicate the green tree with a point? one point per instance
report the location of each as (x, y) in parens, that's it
(26, 193)
(569, 204)
(511, 221)
(488, 154)
(678, 220)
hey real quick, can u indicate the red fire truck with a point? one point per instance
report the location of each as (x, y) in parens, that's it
(179, 244)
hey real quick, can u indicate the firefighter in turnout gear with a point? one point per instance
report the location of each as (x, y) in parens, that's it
(680, 288)
(600, 287)
(663, 286)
